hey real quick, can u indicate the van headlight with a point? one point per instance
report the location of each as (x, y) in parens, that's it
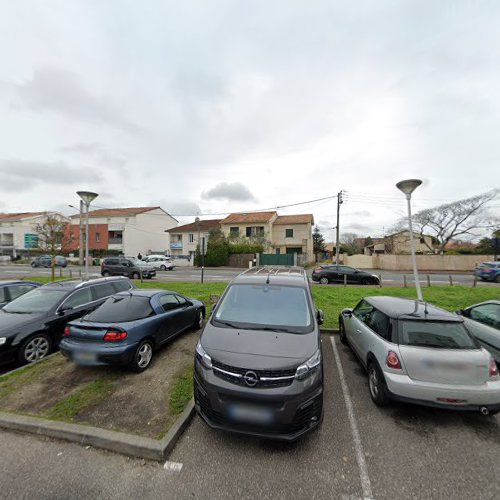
(3, 340)
(307, 368)
(203, 357)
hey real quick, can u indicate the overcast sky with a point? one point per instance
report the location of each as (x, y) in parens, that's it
(219, 106)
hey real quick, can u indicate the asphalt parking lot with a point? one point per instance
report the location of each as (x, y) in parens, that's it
(360, 451)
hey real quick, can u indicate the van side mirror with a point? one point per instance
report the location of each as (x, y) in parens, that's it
(320, 316)
(347, 313)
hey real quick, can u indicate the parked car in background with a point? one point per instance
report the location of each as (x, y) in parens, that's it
(418, 353)
(10, 290)
(129, 327)
(336, 274)
(488, 271)
(483, 321)
(31, 326)
(151, 257)
(258, 363)
(46, 261)
(160, 263)
(130, 267)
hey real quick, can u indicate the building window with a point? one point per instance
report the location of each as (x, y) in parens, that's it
(255, 231)
(191, 238)
(289, 233)
(234, 232)
(97, 237)
(278, 251)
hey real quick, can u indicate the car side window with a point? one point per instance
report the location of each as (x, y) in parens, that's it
(18, 290)
(3, 295)
(77, 299)
(121, 286)
(488, 314)
(363, 311)
(112, 262)
(104, 290)
(380, 324)
(169, 302)
(182, 300)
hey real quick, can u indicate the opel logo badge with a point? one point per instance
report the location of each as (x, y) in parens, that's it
(251, 378)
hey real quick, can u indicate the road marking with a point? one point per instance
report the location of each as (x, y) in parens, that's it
(172, 466)
(358, 447)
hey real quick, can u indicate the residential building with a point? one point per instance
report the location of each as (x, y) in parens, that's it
(399, 244)
(279, 234)
(184, 239)
(17, 232)
(129, 231)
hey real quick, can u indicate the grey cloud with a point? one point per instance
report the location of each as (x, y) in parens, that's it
(60, 91)
(23, 175)
(357, 227)
(178, 208)
(231, 191)
(96, 151)
(359, 213)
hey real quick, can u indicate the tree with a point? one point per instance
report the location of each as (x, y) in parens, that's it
(217, 251)
(318, 242)
(53, 236)
(465, 218)
(350, 243)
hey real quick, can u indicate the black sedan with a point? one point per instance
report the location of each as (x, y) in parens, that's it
(339, 274)
(129, 327)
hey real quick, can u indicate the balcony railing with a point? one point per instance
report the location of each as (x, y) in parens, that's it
(115, 241)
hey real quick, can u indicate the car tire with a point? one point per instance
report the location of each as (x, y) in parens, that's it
(342, 335)
(163, 268)
(198, 320)
(323, 280)
(34, 348)
(136, 276)
(376, 384)
(33, 265)
(142, 356)
(105, 274)
(367, 281)
(497, 279)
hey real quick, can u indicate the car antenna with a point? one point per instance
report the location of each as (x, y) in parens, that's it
(268, 274)
(426, 312)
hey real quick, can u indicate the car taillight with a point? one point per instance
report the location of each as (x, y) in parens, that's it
(392, 361)
(112, 335)
(493, 369)
(67, 331)
(316, 270)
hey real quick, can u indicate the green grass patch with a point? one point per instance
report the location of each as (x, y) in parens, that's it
(84, 397)
(181, 392)
(332, 299)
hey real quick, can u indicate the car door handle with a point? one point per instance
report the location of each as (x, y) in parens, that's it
(359, 331)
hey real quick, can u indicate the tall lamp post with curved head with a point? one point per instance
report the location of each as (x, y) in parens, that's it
(87, 197)
(201, 246)
(407, 187)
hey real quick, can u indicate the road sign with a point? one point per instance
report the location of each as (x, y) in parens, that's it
(30, 240)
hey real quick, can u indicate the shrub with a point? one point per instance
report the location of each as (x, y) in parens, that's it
(245, 248)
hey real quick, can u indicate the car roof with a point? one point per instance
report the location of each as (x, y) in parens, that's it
(145, 292)
(493, 301)
(401, 308)
(18, 282)
(71, 284)
(278, 275)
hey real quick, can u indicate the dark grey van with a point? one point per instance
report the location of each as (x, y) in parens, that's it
(258, 363)
(127, 266)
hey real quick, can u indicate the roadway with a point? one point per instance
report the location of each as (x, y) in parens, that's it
(192, 274)
(360, 451)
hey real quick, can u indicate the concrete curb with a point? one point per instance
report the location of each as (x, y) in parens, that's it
(120, 442)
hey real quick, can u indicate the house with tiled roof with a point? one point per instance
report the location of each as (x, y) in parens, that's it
(184, 239)
(17, 233)
(129, 230)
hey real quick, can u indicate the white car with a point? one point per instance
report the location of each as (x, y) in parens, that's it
(418, 353)
(159, 262)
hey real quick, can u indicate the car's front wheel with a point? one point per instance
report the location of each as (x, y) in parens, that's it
(376, 383)
(198, 321)
(163, 268)
(34, 348)
(33, 264)
(142, 356)
(136, 276)
(105, 273)
(323, 280)
(497, 279)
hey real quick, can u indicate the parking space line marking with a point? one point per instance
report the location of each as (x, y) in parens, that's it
(172, 466)
(358, 447)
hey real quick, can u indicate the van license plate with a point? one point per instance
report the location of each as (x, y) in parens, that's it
(250, 414)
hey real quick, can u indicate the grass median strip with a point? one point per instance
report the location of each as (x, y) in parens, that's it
(89, 394)
(182, 392)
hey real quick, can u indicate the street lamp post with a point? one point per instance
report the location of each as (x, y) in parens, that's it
(80, 245)
(407, 187)
(87, 197)
(202, 249)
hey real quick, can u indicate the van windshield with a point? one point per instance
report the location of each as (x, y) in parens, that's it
(265, 307)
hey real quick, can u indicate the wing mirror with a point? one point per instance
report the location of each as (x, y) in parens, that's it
(320, 316)
(347, 313)
(64, 310)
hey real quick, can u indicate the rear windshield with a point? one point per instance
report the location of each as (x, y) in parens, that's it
(119, 309)
(282, 308)
(435, 334)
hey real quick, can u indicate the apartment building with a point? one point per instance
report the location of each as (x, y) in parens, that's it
(130, 230)
(17, 234)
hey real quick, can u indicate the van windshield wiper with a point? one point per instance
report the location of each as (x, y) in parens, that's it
(276, 329)
(227, 323)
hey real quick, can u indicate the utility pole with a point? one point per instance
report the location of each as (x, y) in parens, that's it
(337, 244)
